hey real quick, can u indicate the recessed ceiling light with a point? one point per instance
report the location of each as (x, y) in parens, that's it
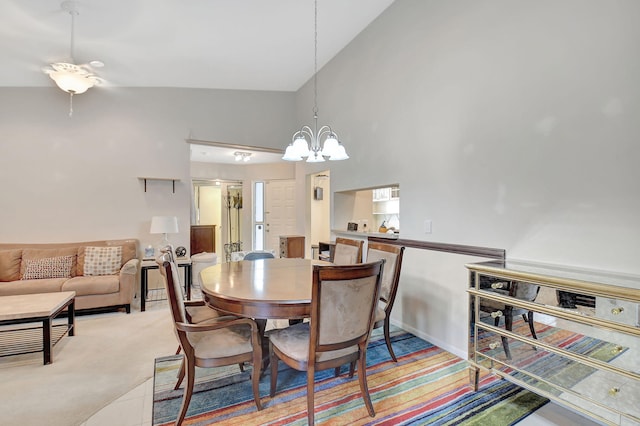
(96, 64)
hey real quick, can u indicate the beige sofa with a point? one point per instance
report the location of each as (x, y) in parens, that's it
(102, 273)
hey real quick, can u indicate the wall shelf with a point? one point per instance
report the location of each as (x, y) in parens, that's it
(146, 178)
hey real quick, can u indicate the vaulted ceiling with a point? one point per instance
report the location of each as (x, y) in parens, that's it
(222, 44)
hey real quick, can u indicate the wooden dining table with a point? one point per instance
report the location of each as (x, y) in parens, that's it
(261, 289)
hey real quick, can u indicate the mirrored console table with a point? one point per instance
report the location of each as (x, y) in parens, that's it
(526, 327)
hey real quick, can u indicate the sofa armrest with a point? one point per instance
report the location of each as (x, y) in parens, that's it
(130, 268)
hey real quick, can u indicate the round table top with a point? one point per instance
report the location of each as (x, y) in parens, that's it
(264, 288)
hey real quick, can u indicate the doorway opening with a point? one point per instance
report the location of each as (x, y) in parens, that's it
(216, 216)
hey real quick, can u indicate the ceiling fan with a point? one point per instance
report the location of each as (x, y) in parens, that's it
(70, 77)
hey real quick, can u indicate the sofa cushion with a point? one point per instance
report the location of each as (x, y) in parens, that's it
(48, 267)
(28, 253)
(47, 285)
(102, 260)
(10, 264)
(88, 285)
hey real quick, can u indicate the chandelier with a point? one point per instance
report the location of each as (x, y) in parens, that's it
(73, 79)
(306, 142)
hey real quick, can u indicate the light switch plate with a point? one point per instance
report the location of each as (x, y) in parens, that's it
(427, 226)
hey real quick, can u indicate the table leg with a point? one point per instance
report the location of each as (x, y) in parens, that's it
(264, 342)
(143, 288)
(187, 281)
(71, 313)
(46, 340)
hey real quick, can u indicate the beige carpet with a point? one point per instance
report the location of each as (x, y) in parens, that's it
(110, 354)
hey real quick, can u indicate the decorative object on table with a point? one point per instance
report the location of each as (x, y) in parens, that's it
(181, 251)
(149, 252)
(164, 225)
(300, 147)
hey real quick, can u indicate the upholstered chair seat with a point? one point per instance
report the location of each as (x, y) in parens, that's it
(225, 342)
(294, 342)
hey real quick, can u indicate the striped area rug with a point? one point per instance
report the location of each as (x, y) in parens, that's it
(427, 386)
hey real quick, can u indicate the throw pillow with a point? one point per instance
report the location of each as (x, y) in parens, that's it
(48, 267)
(10, 264)
(102, 260)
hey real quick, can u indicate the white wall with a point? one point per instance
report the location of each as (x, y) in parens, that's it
(74, 179)
(509, 124)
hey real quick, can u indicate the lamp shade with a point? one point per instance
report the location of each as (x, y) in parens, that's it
(164, 225)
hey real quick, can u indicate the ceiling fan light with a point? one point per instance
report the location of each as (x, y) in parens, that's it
(73, 82)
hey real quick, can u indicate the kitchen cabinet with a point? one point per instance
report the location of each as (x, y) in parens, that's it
(585, 358)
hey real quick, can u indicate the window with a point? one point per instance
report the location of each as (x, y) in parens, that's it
(258, 216)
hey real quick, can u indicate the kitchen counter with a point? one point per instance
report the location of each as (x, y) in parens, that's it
(365, 234)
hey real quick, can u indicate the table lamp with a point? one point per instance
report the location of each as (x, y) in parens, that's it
(164, 225)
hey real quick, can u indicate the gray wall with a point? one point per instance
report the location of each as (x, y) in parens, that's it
(509, 124)
(73, 179)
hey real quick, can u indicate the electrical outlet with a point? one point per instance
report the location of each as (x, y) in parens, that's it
(427, 226)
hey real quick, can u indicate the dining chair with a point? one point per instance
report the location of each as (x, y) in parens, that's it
(497, 310)
(256, 255)
(214, 343)
(347, 251)
(196, 311)
(390, 280)
(343, 302)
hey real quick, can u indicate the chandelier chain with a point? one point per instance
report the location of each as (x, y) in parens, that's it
(315, 57)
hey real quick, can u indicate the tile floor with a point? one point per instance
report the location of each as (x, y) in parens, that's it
(135, 407)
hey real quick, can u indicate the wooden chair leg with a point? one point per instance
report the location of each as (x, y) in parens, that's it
(352, 369)
(255, 377)
(310, 396)
(273, 360)
(362, 378)
(336, 372)
(387, 338)
(531, 327)
(188, 391)
(180, 375)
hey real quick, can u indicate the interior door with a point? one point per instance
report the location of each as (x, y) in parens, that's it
(280, 211)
